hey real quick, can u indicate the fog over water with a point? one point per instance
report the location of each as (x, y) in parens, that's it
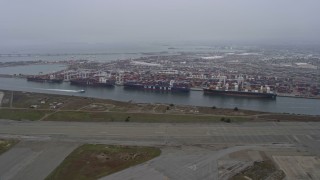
(75, 23)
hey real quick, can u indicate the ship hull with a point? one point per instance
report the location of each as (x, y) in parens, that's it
(35, 79)
(240, 94)
(88, 83)
(156, 88)
(55, 81)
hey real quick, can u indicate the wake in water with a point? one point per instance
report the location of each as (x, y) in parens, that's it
(63, 90)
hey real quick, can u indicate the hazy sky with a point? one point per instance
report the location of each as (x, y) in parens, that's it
(116, 21)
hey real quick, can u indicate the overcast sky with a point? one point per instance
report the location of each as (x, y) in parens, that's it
(117, 21)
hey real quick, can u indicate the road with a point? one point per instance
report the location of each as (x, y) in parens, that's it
(183, 154)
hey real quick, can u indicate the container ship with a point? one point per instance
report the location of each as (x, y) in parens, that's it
(240, 93)
(263, 93)
(160, 86)
(48, 79)
(96, 82)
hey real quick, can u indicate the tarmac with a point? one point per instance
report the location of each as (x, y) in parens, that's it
(189, 151)
(33, 159)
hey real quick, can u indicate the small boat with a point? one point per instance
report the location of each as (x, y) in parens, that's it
(81, 91)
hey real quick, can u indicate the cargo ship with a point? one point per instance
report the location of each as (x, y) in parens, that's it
(96, 82)
(48, 79)
(160, 86)
(263, 93)
(36, 79)
(240, 93)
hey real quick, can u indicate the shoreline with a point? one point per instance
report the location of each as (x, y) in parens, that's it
(49, 107)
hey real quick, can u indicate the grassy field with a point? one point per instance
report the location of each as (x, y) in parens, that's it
(22, 114)
(287, 117)
(26, 99)
(6, 145)
(136, 117)
(72, 108)
(92, 161)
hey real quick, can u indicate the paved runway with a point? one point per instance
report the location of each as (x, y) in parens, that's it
(33, 160)
(164, 134)
(187, 163)
(49, 142)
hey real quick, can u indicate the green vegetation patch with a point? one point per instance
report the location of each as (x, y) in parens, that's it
(136, 117)
(69, 116)
(260, 170)
(283, 117)
(6, 145)
(232, 112)
(93, 161)
(22, 114)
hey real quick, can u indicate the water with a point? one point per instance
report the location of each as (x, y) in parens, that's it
(282, 104)
(101, 53)
(104, 53)
(33, 69)
(99, 57)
